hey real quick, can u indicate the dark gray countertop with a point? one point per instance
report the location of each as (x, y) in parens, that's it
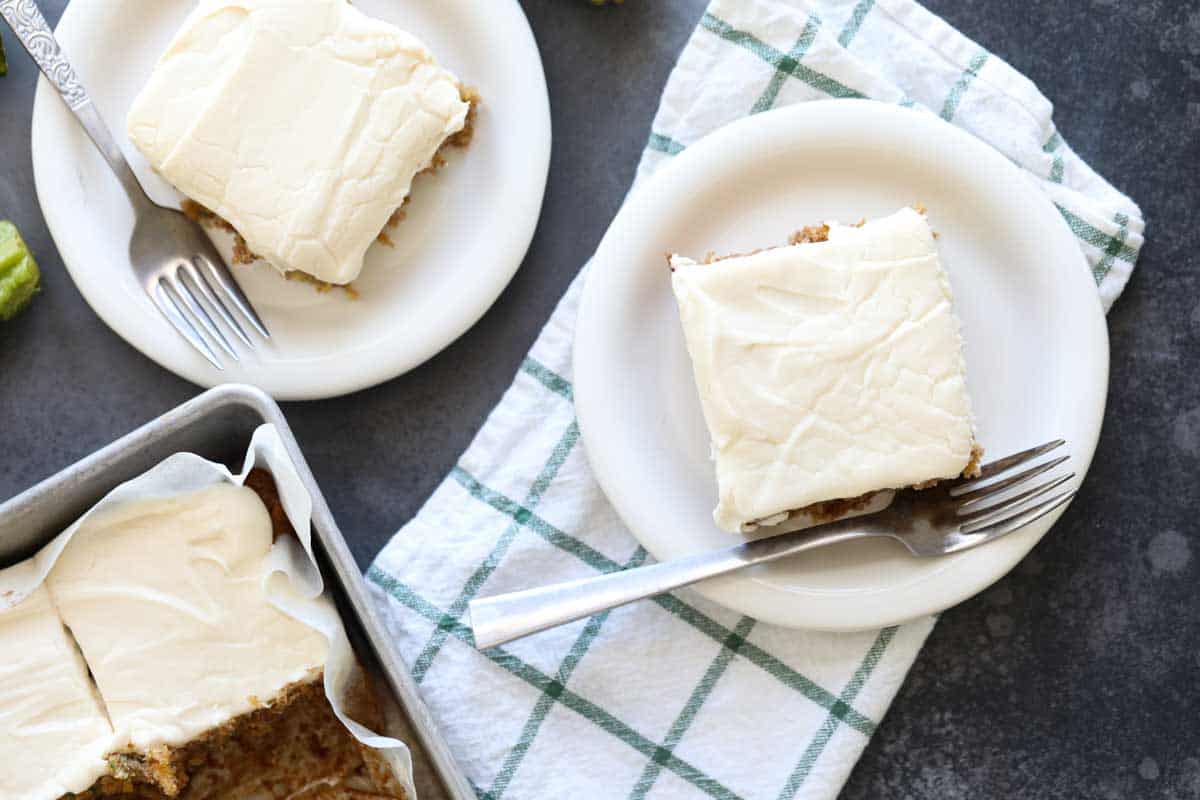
(1076, 676)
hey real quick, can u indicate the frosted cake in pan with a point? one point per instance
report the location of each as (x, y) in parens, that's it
(151, 664)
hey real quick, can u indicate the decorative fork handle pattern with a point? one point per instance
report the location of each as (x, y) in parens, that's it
(30, 26)
(26, 20)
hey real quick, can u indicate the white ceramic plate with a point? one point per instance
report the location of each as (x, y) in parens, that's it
(1037, 346)
(466, 231)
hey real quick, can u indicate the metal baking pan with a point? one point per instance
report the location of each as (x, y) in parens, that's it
(217, 425)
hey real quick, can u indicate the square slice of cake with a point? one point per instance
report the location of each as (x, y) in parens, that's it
(301, 123)
(828, 368)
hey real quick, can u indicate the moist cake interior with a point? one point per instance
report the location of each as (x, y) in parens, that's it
(294, 749)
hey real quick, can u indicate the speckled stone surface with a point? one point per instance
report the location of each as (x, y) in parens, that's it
(1076, 676)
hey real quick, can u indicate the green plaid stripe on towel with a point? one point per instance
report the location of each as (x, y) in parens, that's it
(676, 697)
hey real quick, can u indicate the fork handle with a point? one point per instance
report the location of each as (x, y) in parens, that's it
(502, 618)
(27, 22)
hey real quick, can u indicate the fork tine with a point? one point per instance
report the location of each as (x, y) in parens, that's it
(181, 291)
(994, 468)
(992, 512)
(973, 491)
(992, 530)
(223, 281)
(170, 309)
(191, 276)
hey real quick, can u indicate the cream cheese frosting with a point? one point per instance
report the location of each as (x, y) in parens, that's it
(300, 122)
(54, 734)
(827, 370)
(167, 601)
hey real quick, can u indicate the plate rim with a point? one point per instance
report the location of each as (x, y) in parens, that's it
(372, 372)
(729, 591)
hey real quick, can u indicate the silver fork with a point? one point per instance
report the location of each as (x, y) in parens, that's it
(171, 256)
(947, 518)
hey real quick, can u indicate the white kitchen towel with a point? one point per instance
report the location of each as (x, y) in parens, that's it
(676, 697)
